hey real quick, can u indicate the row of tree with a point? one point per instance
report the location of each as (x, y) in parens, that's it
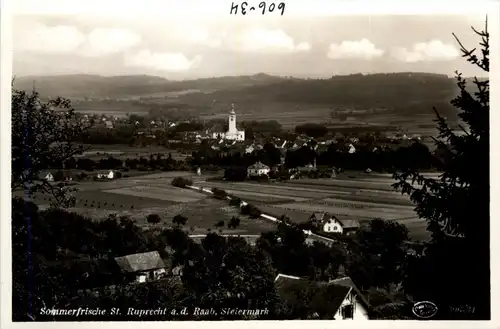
(416, 155)
(155, 161)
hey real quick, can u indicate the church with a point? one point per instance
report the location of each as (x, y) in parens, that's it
(232, 133)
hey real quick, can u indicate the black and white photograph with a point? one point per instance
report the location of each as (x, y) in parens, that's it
(247, 161)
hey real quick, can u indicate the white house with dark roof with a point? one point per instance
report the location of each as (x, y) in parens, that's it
(342, 226)
(332, 224)
(142, 267)
(106, 175)
(258, 169)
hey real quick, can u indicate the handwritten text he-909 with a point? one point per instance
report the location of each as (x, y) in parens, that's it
(262, 7)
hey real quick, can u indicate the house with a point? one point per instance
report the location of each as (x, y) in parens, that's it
(331, 224)
(258, 169)
(47, 176)
(338, 299)
(109, 124)
(354, 297)
(106, 175)
(249, 149)
(142, 267)
(344, 226)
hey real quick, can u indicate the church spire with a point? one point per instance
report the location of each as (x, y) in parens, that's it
(232, 108)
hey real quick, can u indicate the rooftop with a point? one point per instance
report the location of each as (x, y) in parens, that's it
(140, 262)
(258, 165)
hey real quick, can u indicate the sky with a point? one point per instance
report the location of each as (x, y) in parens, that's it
(183, 46)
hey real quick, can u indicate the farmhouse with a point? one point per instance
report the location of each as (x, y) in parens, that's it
(331, 224)
(232, 133)
(106, 175)
(258, 169)
(340, 299)
(142, 267)
(345, 226)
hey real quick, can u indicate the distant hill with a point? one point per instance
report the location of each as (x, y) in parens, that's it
(398, 92)
(384, 90)
(86, 85)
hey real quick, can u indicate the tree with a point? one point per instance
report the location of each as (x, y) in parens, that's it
(235, 201)
(44, 134)
(58, 176)
(181, 182)
(312, 130)
(219, 193)
(234, 222)
(456, 205)
(179, 220)
(153, 218)
(251, 210)
(378, 253)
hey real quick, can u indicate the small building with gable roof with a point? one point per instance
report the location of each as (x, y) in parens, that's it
(142, 267)
(258, 169)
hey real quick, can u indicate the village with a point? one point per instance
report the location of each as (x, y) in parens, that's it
(325, 202)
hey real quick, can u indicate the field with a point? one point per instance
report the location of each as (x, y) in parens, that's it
(137, 197)
(349, 196)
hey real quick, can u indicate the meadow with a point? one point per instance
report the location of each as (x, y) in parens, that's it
(362, 197)
(139, 196)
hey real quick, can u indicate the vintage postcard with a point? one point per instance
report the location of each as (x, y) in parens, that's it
(249, 161)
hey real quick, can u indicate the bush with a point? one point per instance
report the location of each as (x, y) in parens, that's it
(182, 182)
(234, 222)
(219, 193)
(219, 223)
(251, 211)
(235, 201)
(179, 220)
(153, 219)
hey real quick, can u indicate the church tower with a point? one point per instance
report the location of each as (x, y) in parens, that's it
(232, 121)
